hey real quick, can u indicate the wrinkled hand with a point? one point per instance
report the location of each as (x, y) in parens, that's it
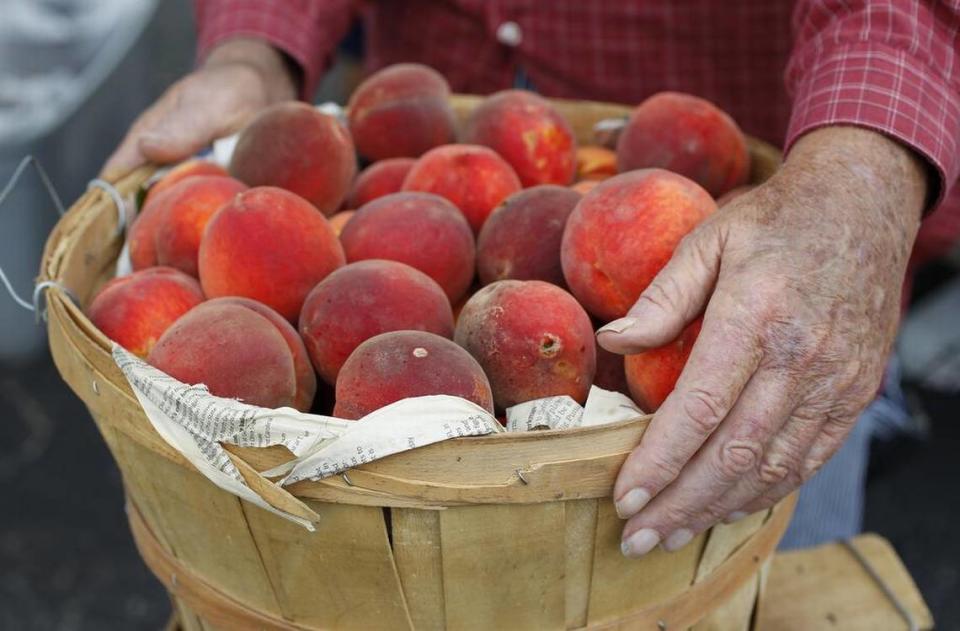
(239, 78)
(801, 281)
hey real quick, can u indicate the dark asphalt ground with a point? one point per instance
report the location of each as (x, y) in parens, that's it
(66, 558)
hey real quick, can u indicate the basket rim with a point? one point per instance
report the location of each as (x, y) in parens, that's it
(547, 465)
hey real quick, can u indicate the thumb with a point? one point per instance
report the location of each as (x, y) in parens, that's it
(675, 297)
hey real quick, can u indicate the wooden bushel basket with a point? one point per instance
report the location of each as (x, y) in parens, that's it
(512, 531)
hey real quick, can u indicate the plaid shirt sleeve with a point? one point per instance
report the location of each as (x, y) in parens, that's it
(306, 30)
(889, 65)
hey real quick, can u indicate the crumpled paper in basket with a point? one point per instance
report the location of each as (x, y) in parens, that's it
(196, 423)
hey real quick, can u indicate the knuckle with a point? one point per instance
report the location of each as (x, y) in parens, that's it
(678, 515)
(704, 409)
(774, 471)
(738, 457)
(659, 471)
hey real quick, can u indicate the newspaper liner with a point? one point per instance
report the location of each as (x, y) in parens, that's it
(195, 423)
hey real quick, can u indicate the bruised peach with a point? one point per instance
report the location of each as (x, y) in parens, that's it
(529, 133)
(595, 163)
(365, 299)
(303, 369)
(404, 364)
(687, 135)
(340, 220)
(532, 339)
(652, 375)
(422, 230)
(623, 232)
(379, 179)
(401, 111)
(233, 350)
(521, 239)
(474, 178)
(190, 168)
(295, 147)
(184, 210)
(135, 310)
(270, 245)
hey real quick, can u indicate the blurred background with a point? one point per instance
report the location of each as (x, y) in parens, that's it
(73, 75)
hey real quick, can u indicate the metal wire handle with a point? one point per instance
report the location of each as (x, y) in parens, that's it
(884, 587)
(34, 304)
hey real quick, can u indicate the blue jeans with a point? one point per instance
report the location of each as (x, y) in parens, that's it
(831, 502)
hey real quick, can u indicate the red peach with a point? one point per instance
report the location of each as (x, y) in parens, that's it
(532, 339)
(687, 135)
(521, 239)
(404, 364)
(623, 232)
(182, 171)
(474, 178)
(652, 375)
(295, 147)
(184, 210)
(365, 299)
(422, 230)
(529, 133)
(270, 245)
(135, 310)
(235, 351)
(401, 111)
(305, 378)
(379, 179)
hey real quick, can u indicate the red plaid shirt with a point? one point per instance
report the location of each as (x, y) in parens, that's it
(890, 65)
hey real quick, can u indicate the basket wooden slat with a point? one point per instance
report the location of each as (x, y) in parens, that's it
(419, 558)
(580, 517)
(506, 531)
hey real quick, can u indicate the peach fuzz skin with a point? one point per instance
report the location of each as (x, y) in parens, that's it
(404, 364)
(135, 310)
(532, 339)
(474, 178)
(365, 299)
(422, 230)
(270, 245)
(623, 232)
(295, 147)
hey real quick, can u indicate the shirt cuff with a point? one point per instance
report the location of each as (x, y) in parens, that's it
(885, 89)
(307, 31)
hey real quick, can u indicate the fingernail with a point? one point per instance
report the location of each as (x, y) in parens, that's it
(736, 515)
(677, 539)
(639, 543)
(617, 326)
(631, 503)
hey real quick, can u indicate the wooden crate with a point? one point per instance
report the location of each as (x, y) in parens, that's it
(511, 531)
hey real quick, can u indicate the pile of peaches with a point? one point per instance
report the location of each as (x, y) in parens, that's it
(475, 262)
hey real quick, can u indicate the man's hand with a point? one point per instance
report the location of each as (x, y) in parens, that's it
(801, 281)
(239, 78)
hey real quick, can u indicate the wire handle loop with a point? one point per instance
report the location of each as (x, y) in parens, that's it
(117, 201)
(34, 304)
